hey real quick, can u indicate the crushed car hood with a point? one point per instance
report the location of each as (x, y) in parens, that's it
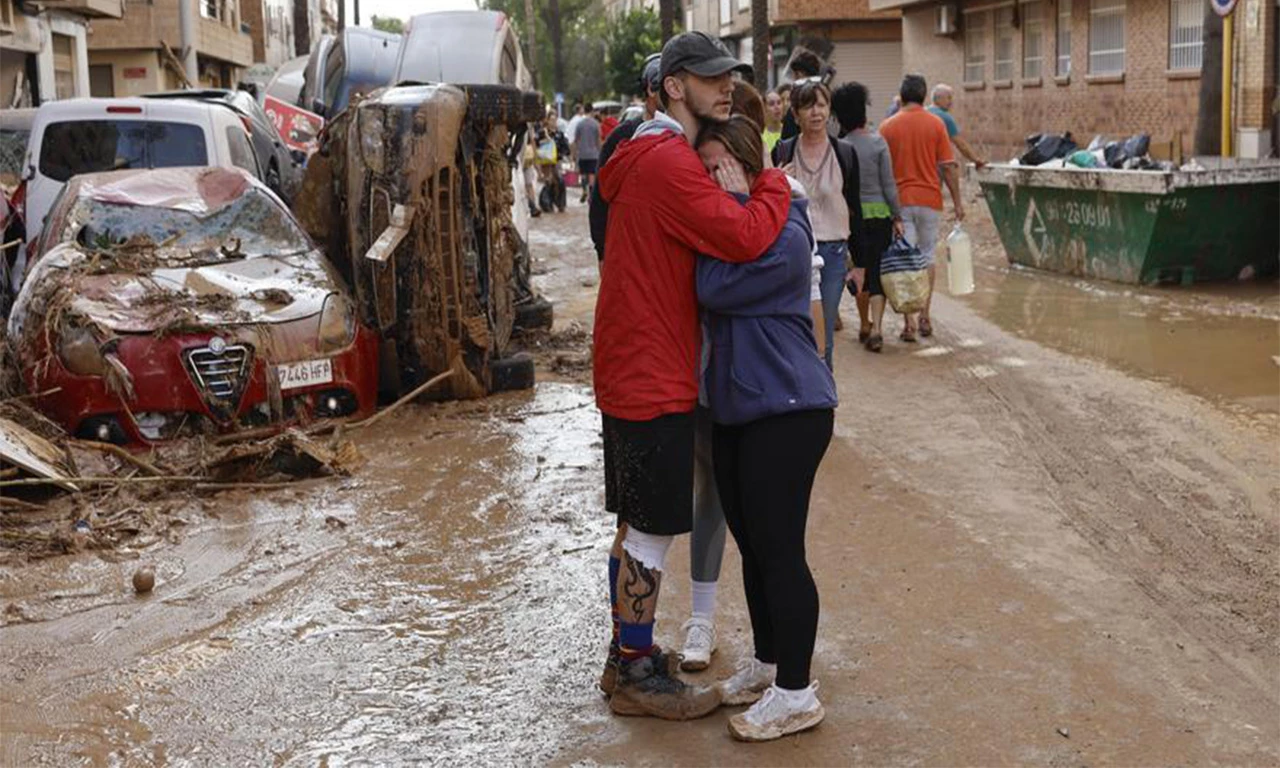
(261, 290)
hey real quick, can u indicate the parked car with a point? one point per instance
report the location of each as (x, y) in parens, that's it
(480, 48)
(461, 47)
(286, 84)
(313, 74)
(185, 301)
(358, 62)
(78, 136)
(278, 169)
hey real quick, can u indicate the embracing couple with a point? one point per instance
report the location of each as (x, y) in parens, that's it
(705, 294)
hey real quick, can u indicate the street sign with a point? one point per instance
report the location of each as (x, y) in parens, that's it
(559, 98)
(1223, 7)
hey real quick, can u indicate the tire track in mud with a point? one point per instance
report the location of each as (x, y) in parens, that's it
(1204, 561)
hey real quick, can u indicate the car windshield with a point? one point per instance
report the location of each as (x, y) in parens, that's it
(249, 226)
(88, 146)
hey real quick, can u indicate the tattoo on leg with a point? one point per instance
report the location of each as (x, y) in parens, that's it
(639, 586)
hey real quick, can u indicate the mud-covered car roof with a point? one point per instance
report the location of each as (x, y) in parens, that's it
(199, 191)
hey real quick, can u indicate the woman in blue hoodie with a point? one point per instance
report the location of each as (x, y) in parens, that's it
(772, 402)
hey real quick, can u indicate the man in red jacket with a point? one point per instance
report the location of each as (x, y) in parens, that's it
(664, 208)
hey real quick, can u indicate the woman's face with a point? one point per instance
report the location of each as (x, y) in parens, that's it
(712, 153)
(813, 118)
(773, 103)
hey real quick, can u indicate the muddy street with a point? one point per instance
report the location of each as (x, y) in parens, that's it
(1046, 535)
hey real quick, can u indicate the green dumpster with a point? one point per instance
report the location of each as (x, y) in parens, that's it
(1221, 223)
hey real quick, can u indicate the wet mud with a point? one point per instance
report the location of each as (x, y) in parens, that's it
(1217, 340)
(1023, 556)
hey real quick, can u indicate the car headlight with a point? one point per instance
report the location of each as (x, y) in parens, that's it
(79, 351)
(337, 324)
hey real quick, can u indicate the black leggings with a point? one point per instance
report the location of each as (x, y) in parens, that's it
(765, 470)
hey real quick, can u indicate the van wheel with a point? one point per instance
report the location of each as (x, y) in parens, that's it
(503, 104)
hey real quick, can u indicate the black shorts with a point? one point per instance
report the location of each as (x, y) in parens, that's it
(587, 166)
(648, 473)
(878, 235)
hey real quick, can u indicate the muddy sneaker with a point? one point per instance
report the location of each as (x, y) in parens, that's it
(699, 644)
(745, 686)
(778, 713)
(609, 677)
(649, 686)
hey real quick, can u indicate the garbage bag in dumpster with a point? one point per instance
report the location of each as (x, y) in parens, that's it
(904, 273)
(1041, 148)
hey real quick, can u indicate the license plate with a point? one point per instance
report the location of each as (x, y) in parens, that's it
(305, 374)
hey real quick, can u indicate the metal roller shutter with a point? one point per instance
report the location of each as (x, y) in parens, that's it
(876, 65)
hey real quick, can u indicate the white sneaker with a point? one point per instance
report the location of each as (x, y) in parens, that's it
(699, 644)
(752, 679)
(777, 714)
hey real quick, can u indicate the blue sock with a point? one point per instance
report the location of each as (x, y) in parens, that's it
(636, 640)
(614, 566)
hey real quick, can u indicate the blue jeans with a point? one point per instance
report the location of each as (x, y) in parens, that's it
(833, 253)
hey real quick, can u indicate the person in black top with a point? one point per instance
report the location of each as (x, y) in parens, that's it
(650, 84)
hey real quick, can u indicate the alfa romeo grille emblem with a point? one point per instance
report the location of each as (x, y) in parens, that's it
(217, 345)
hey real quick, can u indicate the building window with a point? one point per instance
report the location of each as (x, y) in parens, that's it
(1064, 38)
(1106, 37)
(209, 9)
(1032, 39)
(64, 66)
(6, 14)
(1004, 44)
(744, 6)
(975, 46)
(1186, 27)
(726, 12)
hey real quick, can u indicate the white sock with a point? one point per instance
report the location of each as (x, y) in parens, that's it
(704, 599)
(801, 699)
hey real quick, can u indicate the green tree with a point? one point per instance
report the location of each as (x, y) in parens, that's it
(630, 38)
(388, 24)
(557, 21)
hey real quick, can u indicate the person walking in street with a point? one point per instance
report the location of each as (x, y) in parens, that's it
(586, 147)
(919, 147)
(552, 145)
(943, 97)
(772, 402)
(805, 65)
(881, 213)
(828, 169)
(579, 112)
(663, 207)
(775, 106)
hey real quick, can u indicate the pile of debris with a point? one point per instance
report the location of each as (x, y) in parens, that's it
(1060, 150)
(59, 494)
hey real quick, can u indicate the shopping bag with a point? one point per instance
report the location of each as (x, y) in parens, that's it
(904, 273)
(547, 152)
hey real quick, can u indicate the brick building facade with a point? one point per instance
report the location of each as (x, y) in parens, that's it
(1113, 67)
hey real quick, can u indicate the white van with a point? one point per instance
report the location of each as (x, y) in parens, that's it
(89, 135)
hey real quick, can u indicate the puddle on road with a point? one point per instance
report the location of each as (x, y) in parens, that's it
(1216, 341)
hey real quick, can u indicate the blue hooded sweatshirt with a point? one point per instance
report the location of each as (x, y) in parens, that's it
(764, 358)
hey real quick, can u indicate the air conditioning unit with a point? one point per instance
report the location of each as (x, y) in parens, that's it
(947, 21)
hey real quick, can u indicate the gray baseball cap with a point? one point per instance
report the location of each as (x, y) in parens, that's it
(700, 54)
(651, 76)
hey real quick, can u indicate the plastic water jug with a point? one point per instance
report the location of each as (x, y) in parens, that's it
(959, 262)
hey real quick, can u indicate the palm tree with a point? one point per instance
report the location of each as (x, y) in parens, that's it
(761, 43)
(667, 18)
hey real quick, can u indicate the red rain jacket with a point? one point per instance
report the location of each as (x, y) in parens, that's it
(663, 209)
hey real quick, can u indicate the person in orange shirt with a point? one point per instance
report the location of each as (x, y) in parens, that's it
(920, 147)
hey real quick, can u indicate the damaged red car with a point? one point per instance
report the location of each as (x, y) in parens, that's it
(183, 301)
